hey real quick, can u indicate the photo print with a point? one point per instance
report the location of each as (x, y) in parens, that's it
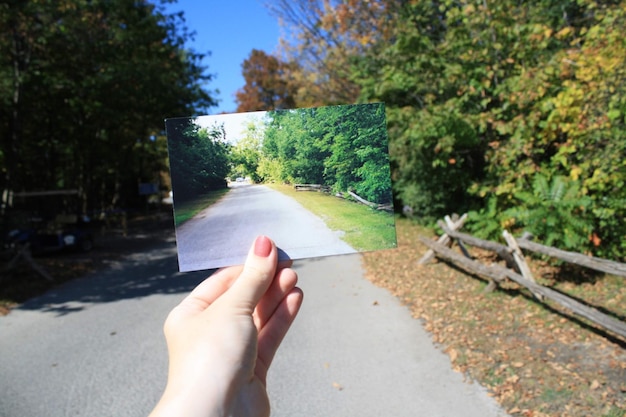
(315, 180)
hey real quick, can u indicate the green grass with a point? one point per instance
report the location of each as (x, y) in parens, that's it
(614, 412)
(364, 228)
(553, 398)
(187, 209)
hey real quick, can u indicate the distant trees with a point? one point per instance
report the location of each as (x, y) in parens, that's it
(199, 158)
(85, 86)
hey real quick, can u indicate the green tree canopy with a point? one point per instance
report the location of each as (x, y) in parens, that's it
(85, 88)
(344, 147)
(199, 158)
(483, 98)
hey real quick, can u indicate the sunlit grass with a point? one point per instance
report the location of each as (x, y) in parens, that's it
(364, 228)
(186, 210)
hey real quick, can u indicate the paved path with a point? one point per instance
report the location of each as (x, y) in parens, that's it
(220, 235)
(94, 347)
(355, 351)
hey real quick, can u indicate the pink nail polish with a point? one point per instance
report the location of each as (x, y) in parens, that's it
(262, 246)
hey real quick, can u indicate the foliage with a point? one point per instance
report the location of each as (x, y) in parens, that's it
(246, 154)
(344, 147)
(482, 97)
(199, 158)
(553, 211)
(322, 37)
(267, 86)
(486, 222)
(85, 86)
(435, 160)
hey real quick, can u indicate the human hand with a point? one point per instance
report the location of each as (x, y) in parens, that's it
(223, 336)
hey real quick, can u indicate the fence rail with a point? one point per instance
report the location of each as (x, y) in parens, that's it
(517, 270)
(312, 187)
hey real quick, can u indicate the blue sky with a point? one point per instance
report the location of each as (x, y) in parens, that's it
(229, 29)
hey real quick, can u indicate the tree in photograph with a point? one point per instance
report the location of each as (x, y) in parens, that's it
(340, 133)
(199, 158)
(309, 132)
(267, 84)
(246, 154)
(344, 147)
(279, 149)
(372, 151)
(298, 139)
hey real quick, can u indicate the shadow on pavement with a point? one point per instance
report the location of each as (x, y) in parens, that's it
(140, 274)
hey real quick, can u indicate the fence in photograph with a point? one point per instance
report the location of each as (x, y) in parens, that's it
(312, 187)
(357, 198)
(518, 271)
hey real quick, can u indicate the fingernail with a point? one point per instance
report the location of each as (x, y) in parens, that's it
(262, 246)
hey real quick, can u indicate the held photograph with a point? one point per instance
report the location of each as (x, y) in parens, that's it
(315, 180)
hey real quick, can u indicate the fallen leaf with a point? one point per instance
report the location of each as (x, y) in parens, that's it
(337, 386)
(513, 379)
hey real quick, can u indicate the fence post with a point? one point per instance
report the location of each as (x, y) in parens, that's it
(520, 261)
(443, 240)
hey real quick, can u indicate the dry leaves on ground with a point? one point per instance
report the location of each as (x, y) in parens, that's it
(536, 360)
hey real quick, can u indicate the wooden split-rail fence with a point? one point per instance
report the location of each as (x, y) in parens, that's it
(517, 269)
(327, 189)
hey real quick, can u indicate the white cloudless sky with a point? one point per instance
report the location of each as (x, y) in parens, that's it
(229, 30)
(235, 125)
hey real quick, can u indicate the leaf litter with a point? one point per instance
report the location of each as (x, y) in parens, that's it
(535, 360)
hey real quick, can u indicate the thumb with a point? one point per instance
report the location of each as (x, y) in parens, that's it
(256, 276)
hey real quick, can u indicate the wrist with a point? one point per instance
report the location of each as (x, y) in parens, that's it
(179, 400)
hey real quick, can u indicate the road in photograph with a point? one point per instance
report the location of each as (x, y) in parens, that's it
(221, 234)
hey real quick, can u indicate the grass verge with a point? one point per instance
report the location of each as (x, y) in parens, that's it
(187, 209)
(364, 228)
(535, 360)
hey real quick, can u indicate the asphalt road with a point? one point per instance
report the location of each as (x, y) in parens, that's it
(94, 347)
(220, 235)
